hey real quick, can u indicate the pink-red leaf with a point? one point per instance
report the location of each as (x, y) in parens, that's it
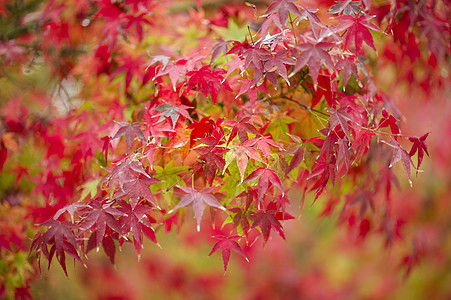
(225, 244)
(198, 199)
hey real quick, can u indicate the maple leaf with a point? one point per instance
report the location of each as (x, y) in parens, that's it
(357, 31)
(400, 154)
(235, 63)
(389, 121)
(201, 129)
(241, 127)
(97, 217)
(278, 62)
(298, 156)
(125, 170)
(343, 157)
(132, 67)
(157, 128)
(348, 67)
(419, 145)
(253, 59)
(71, 208)
(106, 145)
(212, 159)
(198, 199)
(283, 7)
(129, 130)
(241, 217)
(173, 112)
(173, 70)
(137, 21)
(62, 237)
(109, 247)
(266, 176)
(249, 87)
(138, 187)
(225, 244)
(312, 54)
(365, 198)
(242, 153)
(263, 143)
(268, 219)
(271, 19)
(348, 7)
(362, 143)
(341, 117)
(208, 81)
(220, 47)
(136, 221)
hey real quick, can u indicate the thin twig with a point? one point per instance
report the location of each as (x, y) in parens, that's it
(308, 108)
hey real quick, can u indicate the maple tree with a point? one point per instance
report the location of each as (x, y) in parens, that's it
(114, 122)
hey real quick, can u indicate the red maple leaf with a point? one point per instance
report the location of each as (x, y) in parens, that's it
(173, 112)
(97, 217)
(347, 7)
(125, 170)
(225, 244)
(389, 120)
(283, 8)
(419, 145)
(348, 67)
(136, 222)
(362, 141)
(209, 82)
(250, 88)
(211, 159)
(271, 19)
(400, 154)
(313, 53)
(137, 21)
(201, 129)
(357, 31)
(241, 127)
(343, 157)
(253, 59)
(71, 209)
(198, 199)
(269, 218)
(242, 153)
(298, 156)
(173, 70)
(341, 117)
(218, 49)
(263, 143)
(265, 178)
(129, 130)
(62, 238)
(278, 62)
(138, 187)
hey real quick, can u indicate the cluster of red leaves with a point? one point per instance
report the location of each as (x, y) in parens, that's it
(215, 133)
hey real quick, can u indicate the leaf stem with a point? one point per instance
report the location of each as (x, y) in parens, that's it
(292, 29)
(250, 34)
